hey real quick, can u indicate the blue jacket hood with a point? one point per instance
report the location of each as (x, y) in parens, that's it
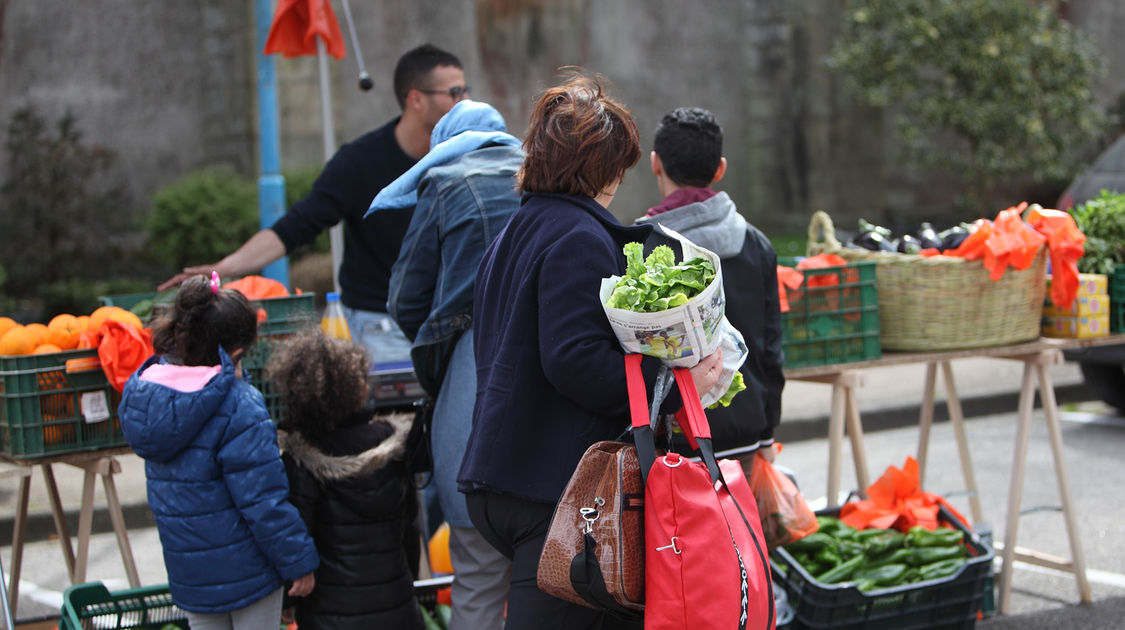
(160, 421)
(467, 127)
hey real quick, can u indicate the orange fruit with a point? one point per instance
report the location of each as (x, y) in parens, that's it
(63, 331)
(126, 317)
(46, 348)
(439, 550)
(6, 324)
(39, 330)
(83, 323)
(99, 315)
(17, 341)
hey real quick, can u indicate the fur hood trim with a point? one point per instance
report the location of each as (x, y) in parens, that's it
(336, 467)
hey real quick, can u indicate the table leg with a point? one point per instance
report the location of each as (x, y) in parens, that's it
(1015, 487)
(957, 419)
(926, 420)
(1050, 410)
(855, 434)
(835, 441)
(19, 530)
(85, 525)
(118, 519)
(60, 517)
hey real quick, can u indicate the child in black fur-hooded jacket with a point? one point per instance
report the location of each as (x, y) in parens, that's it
(349, 483)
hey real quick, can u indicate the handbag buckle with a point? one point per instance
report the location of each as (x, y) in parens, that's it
(591, 514)
(674, 546)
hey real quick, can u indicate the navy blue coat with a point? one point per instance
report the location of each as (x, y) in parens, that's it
(550, 371)
(218, 490)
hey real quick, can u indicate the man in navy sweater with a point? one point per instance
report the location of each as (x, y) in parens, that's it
(428, 82)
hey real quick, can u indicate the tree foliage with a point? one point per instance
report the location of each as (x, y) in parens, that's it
(1007, 79)
(202, 217)
(64, 212)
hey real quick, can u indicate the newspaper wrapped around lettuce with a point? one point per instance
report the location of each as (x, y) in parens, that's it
(675, 311)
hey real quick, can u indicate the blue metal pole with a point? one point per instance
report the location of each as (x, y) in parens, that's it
(271, 184)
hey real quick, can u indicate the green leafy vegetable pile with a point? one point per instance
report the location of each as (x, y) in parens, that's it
(1102, 220)
(657, 283)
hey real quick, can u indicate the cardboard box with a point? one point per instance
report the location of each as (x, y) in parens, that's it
(1082, 306)
(1088, 284)
(1076, 327)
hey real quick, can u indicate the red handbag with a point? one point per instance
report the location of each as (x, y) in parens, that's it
(705, 555)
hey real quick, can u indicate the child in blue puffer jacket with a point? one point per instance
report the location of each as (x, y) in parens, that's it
(216, 484)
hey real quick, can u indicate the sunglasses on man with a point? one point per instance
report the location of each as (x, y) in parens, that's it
(456, 92)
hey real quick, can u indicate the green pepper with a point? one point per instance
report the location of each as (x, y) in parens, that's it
(883, 543)
(813, 542)
(886, 575)
(865, 585)
(841, 571)
(919, 536)
(941, 569)
(827, 524)
(848, 548)
(827, 556)
(898, 556)
(920, 556)
(845, 532)
(864, 534)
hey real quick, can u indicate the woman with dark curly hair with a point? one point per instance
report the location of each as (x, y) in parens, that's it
(349, 484)
(550, 371)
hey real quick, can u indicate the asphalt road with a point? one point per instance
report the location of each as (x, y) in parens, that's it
(1093, 435)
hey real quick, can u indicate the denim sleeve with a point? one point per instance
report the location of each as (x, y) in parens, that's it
(414, 275)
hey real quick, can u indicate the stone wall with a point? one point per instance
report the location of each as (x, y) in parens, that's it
(171, 87)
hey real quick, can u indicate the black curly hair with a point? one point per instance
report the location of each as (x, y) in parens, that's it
(201, 320)
(323, 382)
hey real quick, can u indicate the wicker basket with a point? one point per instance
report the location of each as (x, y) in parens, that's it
(942, 302)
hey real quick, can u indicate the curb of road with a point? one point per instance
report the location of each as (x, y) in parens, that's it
(41, 526)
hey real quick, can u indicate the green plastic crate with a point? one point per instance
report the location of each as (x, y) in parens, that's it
(833, 316)
(44, 406)
(1117, 300)
(91, 605)
(285, 317)
(126, 301)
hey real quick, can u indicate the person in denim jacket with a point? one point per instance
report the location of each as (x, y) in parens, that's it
(465, 192)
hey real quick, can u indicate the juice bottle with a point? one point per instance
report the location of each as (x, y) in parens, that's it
(333, 323)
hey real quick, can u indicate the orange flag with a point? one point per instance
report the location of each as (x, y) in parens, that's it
(297, 24)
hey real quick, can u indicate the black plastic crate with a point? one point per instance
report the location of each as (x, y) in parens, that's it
(950, 603)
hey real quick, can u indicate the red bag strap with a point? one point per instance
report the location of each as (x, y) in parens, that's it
(643, 439)
(638, 396)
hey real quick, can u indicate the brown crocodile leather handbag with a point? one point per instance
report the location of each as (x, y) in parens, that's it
(594, 552)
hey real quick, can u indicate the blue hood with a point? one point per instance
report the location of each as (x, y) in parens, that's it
(159, 421)
(467, 127)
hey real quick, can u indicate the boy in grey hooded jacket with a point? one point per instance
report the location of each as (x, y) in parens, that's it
(687, 158)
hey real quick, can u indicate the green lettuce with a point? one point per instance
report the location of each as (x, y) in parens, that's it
(658, 283)
(736, 385)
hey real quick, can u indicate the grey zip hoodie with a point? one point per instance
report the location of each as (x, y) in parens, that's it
(713, 223)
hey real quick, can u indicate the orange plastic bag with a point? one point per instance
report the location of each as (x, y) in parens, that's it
(785, 514)
(1067, 244)
(822, 261)
(122, 349)
(258, 287)
(787, 278)
(897, 500)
